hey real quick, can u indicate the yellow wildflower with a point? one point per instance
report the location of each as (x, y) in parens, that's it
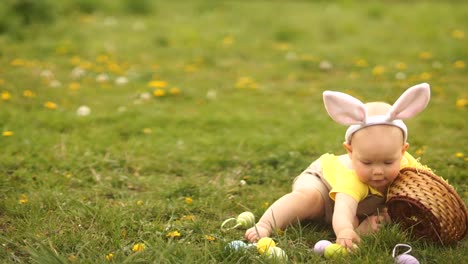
(210, 238)
(147, 130)
(458, 34)
(187, 218)
(138, 247)
(7, 133)
(228, 40)
(159, 92)
(188, 200)
(50, 105)
(5, 96)
(23, 199)
(425, 55)
(72, 258)
(109, 256)
(378, 70)
(74, 86)
(18, 62)
(459, 155)
(174, 91)
(173, 234)
(361, 63)
(157, 84)
(139, 202)
(461, 102)
(266, 205)
(425, 76)
(459, 64)
(28, 93)
(401, 66)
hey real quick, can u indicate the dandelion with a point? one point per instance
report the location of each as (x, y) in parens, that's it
(23, 199)
(459, 155)
(72, 258)
(7, 133)
(28, 93)
(460, 103)
(362, 63)
(459, 64)
(265, 204)
(139, 202)
(74, 86)
(147, 130)
(109, 256)
(282, 46)
(458, 34)
(18, 62)
(173, 234)
(157, 84)
(5, 96)
(378, 70)
(138, 247)
(188, 218)
(425, 55)
(425, 76)
(401, 66)
(210, 238)
(188, 200)
(50, 105)
(174, 91)
(102, 58)
(246, 82)
(159, 92)
(228, 41)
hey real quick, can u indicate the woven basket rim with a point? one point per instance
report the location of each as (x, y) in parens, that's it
(439, 183)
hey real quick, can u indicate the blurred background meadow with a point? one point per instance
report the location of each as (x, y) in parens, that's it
(131, 129)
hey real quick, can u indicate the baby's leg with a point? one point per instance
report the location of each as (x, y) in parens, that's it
(304, 202)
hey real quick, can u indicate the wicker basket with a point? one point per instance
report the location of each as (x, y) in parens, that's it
(427, 206)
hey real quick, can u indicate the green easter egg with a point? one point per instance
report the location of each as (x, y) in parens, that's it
(334, 251)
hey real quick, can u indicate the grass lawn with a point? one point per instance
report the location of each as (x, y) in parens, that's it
(190, 99)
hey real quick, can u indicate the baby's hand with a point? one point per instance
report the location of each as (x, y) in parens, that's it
(348, 238)
(252, 235)
(373, 223)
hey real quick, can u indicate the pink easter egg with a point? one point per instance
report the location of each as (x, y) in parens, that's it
(406, 259)
(320, 246)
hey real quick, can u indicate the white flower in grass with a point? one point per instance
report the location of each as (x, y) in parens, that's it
(122, 80)
(83, 111)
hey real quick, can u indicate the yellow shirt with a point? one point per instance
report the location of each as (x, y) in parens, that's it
(344, 180)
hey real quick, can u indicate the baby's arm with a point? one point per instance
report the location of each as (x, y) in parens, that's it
(344, 220)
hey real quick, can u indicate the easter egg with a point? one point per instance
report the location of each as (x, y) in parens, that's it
(335, 251)
(406, 259)
(276, 253)
(264, 244)
(236, 245)
(319, 247)
(246, 219)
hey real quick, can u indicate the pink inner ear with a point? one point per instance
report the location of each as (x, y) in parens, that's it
(411, 102)
(344, 108)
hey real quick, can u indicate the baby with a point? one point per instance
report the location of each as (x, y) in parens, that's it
(349, 190)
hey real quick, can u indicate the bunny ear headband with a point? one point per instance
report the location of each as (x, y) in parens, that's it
(347, 110)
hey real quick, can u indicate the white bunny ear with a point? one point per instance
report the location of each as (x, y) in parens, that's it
(411, 102)
(344, 108)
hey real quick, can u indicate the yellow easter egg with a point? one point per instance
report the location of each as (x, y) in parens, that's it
(264, 244)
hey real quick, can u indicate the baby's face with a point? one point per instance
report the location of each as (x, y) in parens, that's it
(376, 153)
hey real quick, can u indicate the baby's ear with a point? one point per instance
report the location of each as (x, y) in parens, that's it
(344, 108)
(411, 102)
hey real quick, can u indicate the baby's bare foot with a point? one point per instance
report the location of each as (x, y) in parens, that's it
(255, 233)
